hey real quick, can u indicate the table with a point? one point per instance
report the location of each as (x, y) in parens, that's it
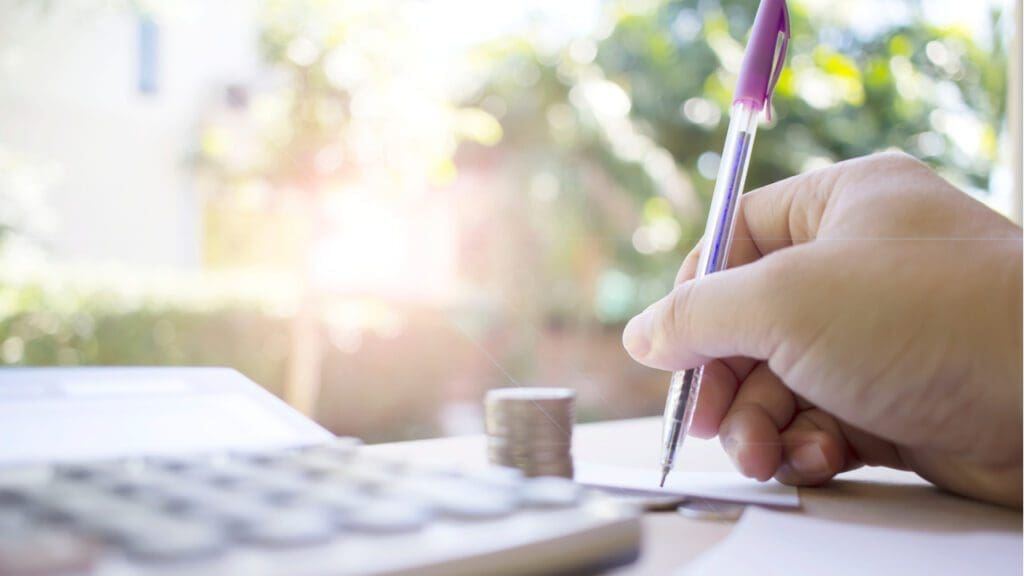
(872, 496)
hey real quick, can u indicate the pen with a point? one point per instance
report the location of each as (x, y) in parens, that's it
(759, 72)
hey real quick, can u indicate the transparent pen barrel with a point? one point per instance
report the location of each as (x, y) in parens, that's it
(682, 400)
(725, 202)
(732, 174)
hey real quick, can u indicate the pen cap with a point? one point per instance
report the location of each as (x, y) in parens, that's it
(764, 57)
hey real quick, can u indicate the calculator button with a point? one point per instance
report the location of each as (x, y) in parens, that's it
(501, 477)
(168, 541)
(289, 527)
(461, 499)
(25, 476)
(364, 475)
(120, 525)
(337, 498)
(230, 510)
(14, 520)
(13, 497)
(75, 472)
(75, 505)
(388, 517)
(551, 492)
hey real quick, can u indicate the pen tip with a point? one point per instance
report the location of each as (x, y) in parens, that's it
(664, 475)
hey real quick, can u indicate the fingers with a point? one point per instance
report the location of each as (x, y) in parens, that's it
(688, 270)
(742, 251)
(736, 312)
(807, 452)
(777, 216)
(790, 211)
(718, 386)
(814, 449)
(750, 429)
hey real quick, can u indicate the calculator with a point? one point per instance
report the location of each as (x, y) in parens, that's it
(249, 486)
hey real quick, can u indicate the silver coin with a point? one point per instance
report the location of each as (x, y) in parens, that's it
(531, 393)
(519, 461)
(542, 451)
(530, 429)
(532, 469)
(711, 510)
(528, 410)
(543, 444)
(545, 419)
(528, 404)
(527, 427)
(530, 426)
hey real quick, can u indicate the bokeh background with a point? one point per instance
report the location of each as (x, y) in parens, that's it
(379, 210)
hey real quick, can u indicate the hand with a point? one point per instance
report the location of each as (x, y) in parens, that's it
(871, 314)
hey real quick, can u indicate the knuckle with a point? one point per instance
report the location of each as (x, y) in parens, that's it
(898, 157)
(893, 161)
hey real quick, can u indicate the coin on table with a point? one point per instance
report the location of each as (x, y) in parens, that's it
(711, 510)
(531, 429)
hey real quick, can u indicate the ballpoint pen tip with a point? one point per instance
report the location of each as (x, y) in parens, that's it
(664, 475)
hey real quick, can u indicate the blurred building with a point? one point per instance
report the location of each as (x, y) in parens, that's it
(105, 101)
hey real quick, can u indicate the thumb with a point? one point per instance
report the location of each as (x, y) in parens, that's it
(731, 313)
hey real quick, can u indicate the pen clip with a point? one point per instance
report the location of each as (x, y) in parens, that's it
(781, 45)
(764, 56)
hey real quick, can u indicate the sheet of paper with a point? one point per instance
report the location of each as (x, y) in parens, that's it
(728, 486)
(769, 543)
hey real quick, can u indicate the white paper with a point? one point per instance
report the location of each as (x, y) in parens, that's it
(728, 486)
(770, 543)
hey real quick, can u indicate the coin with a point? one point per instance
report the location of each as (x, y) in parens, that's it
(711, 510)
(530, 428)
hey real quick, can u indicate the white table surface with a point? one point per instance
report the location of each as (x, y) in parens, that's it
(871, 496)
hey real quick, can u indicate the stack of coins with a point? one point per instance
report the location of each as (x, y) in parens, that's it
(531, 429)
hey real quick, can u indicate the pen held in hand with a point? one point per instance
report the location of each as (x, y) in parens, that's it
(762, 64)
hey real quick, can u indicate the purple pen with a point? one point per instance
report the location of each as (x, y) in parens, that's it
(762, 64)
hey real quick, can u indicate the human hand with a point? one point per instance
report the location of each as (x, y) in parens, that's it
(871, 314)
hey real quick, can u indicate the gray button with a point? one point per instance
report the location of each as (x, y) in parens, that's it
(14, 520)
(120, 525)
(366, 475)
(289, 527)
(10, 497)
(551, 492)
(502, 477)
(75, 504)
(461, 499)
(337, 498)
(388, 517)
(175, 541)
(230, 510)
(274, 486)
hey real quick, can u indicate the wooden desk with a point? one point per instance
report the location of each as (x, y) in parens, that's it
(874, 496)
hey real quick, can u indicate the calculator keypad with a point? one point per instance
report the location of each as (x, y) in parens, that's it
(186, 509)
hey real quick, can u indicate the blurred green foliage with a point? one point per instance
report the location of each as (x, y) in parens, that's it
(599, 176)
(846, 91)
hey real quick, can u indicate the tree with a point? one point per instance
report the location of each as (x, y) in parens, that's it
(627, 126)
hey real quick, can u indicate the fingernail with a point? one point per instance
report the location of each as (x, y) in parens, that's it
(636, 337)
(732, 447)
(809, 460)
